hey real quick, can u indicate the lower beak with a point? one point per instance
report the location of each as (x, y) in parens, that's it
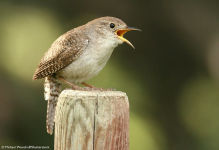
(121, 32)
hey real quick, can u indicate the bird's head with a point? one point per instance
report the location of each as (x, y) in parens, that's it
(112, 28)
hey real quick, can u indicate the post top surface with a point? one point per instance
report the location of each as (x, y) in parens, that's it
(69, 92)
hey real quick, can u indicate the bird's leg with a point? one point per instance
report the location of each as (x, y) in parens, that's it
(87, 85)
(91, 87)
(74, 86)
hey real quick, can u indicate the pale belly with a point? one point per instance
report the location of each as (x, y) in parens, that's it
(88, 65)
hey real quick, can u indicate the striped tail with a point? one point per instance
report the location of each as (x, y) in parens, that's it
(51, 93)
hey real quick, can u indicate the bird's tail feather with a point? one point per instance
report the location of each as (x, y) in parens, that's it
(51, 93)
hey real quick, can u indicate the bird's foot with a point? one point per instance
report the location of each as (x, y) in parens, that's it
(86, 88)
(96, 89)
(89, 87)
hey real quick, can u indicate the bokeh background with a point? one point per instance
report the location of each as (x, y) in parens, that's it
(172, 78)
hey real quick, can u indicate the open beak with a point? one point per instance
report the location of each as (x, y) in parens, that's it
(121, 32)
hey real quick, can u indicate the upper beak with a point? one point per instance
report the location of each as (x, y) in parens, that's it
(121, 32)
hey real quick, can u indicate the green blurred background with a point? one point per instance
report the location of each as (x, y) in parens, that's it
(172, 78)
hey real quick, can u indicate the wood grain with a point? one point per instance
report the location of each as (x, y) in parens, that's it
(92, 120)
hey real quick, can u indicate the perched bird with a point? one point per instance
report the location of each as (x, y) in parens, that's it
(77, 56)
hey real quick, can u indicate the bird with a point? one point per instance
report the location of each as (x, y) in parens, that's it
(77, 56)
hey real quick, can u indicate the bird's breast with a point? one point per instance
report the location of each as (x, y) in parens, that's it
(90, 63)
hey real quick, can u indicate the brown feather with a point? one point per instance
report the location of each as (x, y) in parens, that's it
(63, 51)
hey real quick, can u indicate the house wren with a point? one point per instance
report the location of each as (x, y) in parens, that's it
(77, 56)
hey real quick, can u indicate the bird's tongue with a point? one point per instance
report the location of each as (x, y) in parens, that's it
(121, 32)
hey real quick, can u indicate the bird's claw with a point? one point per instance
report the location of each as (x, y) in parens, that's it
(92, 89)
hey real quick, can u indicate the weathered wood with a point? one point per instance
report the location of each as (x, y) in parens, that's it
(92, 120)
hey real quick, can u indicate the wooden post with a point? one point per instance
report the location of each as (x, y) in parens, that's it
(92, 120)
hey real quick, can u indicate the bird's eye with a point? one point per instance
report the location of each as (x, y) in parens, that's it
(112, 25)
